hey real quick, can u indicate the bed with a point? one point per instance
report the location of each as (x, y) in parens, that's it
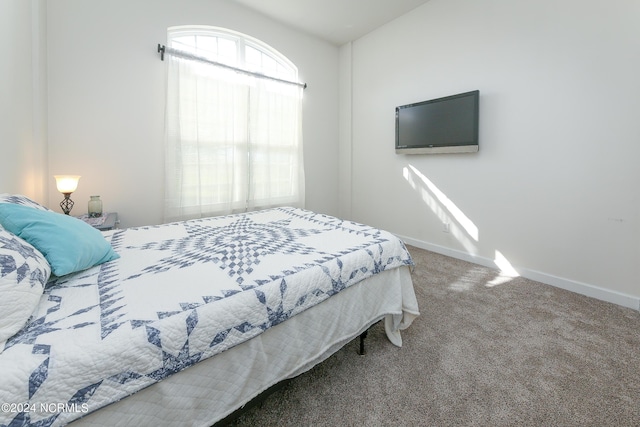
(182, 323)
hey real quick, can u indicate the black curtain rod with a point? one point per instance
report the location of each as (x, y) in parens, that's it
(162, 50)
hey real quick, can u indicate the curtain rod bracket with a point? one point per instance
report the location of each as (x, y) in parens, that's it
(161, 49)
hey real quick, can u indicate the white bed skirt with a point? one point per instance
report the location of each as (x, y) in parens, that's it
(213, 388)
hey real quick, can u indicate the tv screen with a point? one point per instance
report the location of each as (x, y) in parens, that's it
(442, 125)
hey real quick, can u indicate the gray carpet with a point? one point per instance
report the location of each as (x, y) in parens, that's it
(519, 353)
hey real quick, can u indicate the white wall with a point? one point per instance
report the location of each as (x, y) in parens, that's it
(552, 190)
(22, 92)
(106, 98)
(345, 160)
(554, 187)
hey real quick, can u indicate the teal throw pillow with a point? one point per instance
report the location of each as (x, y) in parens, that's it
(68, 244)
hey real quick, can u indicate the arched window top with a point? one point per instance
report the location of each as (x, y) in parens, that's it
(232, 48)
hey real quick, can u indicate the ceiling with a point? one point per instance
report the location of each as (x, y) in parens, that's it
(337, 21)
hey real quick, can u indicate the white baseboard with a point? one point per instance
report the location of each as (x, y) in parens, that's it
(603, 294)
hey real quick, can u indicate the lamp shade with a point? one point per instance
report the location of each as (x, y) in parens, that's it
(67, 184)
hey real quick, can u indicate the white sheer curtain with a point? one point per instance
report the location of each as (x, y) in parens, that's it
(233, 142)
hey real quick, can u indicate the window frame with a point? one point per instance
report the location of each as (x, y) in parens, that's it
(242, 42)
(284, 70)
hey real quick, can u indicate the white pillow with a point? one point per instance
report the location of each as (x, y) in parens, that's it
(19, 199)
(24, 272)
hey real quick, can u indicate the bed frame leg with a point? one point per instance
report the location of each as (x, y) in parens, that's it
(362, 337)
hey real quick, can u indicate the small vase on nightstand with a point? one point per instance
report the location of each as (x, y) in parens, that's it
(95, 207)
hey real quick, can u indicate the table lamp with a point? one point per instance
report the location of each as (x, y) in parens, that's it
(66, 184)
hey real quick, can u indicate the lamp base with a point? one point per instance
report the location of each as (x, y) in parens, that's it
(66, 204)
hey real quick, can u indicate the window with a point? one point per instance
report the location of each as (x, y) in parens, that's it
(233, 139)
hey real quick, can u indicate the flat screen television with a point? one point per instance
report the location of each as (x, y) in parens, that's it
(442, 125)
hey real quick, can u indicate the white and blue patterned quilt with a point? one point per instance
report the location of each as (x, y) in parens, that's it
(179, 293)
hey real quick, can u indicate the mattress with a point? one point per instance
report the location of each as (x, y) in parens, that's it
(196, 293)
(214, 388)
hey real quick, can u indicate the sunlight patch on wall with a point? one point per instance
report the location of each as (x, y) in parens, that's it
(453, 210)
(507, 272)
(461, 227)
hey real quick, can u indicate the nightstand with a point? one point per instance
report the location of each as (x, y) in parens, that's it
(107, 221)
